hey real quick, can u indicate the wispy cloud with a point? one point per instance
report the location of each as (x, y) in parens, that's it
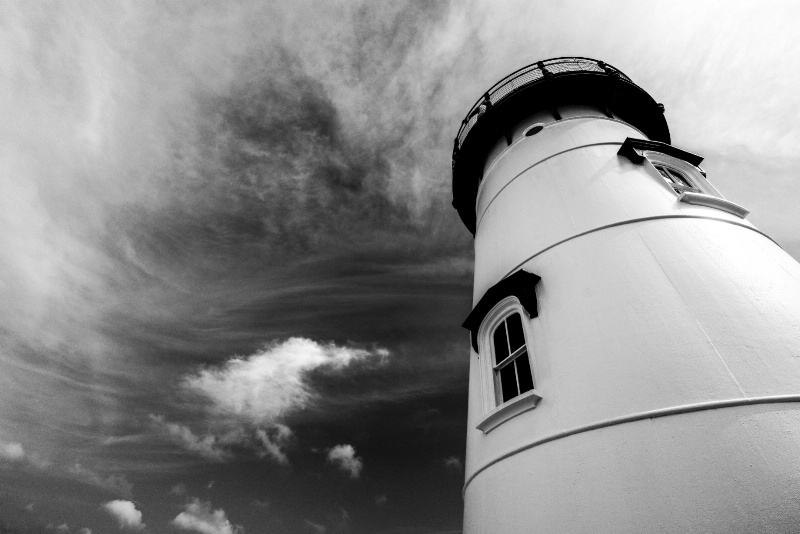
(260, 503)
(206, 445)
(115, 483)
(315, 527)
(274, 441)
(183, 181)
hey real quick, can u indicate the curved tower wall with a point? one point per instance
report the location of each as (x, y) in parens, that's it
(666, 350)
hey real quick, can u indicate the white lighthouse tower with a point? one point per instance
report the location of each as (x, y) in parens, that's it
(635, 360)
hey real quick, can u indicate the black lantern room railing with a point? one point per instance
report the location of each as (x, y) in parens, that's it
(540, 86)
(525, 77)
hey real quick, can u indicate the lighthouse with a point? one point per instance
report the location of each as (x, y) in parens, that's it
(634, 339)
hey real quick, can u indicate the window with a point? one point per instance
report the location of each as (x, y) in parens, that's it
(500, 327)
(680, 172)
(512, 368)
(675, 178)
(507, 364)
(680, 175)
(689, 182)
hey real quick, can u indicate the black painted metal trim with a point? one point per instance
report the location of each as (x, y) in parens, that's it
(521, 284)
(544, 85)
(634, 149)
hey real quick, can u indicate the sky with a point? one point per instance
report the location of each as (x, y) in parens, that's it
(230, 274)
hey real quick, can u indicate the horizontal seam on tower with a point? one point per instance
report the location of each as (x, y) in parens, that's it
(559, 123)
(529, 167)
(632, 221)
(651, 414)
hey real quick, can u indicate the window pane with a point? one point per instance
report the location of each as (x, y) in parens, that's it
(664, 173)
(500, 343)
(524, 372)
(508, 382)
(679, 179)
(515, 336)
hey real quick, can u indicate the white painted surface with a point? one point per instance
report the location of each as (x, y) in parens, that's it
(645, 303)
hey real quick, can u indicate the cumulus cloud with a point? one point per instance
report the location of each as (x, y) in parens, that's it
(115, 483)
(199, 517)
(344, 457)
(178, 489)
(85, 530)
(247, 397)
(265, 386)
(125, 513)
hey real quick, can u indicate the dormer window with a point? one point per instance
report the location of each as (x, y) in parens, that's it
(679, 170)
(681, 176)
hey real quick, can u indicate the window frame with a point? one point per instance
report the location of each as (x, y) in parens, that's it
(495, 411)
(700, 191)
(691, 174)
(510, 359)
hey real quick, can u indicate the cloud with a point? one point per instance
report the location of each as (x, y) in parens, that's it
(206, 446)
(453, 463)
(263, 503)
(85, 530)
(15, 453)
(160, 165)
(12, 452)
(248, 396)
(178, 489)
(265, 386)
(315, 527)
(125, 513)
(268, 442)
(380, 500)
(115, 483)
(274, 441)
(344, 457)
(199, 516)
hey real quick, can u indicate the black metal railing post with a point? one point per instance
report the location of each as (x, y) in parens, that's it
(559, 66)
